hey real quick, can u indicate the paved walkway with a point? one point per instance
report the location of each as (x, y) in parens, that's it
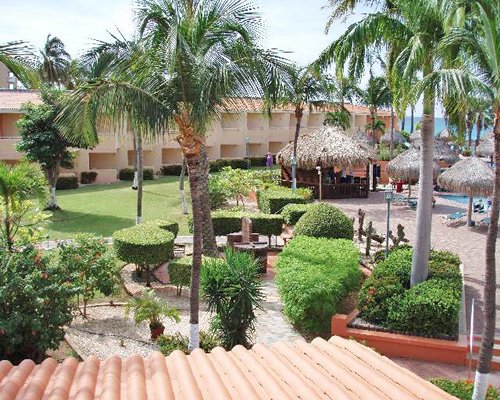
(468, 243)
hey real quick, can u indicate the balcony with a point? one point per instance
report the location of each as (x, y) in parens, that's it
(8, 148)
(107, 144)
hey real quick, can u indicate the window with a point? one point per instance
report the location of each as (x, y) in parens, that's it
(11, 86)
(11, 74)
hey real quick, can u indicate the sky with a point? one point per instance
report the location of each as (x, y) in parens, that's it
(294, 26)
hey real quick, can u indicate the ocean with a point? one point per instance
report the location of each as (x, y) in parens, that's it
(439, 125)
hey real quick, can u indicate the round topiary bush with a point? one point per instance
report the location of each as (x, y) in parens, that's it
(165, 224)
(325, 220)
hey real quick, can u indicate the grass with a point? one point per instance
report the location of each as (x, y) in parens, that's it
(103, 209)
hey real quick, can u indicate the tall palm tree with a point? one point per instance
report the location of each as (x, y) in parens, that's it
(306, 90)
(18, 183)
(55, 62)
(419, 25)
(481, 48)
(199, 58)
(340, 118)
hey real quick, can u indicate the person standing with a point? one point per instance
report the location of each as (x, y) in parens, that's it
(269, 160)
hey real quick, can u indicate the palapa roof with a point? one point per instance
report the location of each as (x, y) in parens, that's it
(445, 135)
(486, 145)
(327, 146)
(397, 138)
(441, 151)
(407, 165)
(415, 135)
(470, 175)
(363, 138)
(334, 369)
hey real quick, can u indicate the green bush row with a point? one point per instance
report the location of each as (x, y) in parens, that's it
(238, 163)
(272, 201)
(67, 182)
(313, 276)
(173, 170)
(143, 244)
(430, 308)
(325, 220)
(87, 177)
(179, 271)
(127, 174)
(169, 343)
(167, 225)
(292, 212)
(226, 222)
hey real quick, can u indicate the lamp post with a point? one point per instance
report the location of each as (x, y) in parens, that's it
(388, 199)
(247, 146)
(294, 173)
(318, 168)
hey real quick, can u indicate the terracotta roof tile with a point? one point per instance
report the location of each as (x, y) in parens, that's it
(337, 369)
(11, 100)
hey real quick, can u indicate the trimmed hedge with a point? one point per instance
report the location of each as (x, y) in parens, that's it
(127, 174)
(428, 309)
(325, 220)
(88, 177)
(67, 182)
(226, 222)
(170, 226)
(273, 201)
(314, 275)
(217, 165)
(174, 170)
(179, 271)
(143, 244)
(292, 212)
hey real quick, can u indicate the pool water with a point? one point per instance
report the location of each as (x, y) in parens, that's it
(458, 198)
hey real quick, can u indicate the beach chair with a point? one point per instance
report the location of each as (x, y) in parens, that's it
(454, 219)
(485, 221)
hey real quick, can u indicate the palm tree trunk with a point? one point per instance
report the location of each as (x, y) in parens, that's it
(391, 148)
(422, 247)
(468, 122)
(209, 241)
(488, 338)
(194, 182)
(140, 170)
(373, 116)
(412, 119)
(403, 123)
(52, 176)
(181, 187)
(8, 233)
(299, 112)
(135, 182)
(479, 125)
(469, 210)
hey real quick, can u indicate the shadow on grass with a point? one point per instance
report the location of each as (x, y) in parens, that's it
(70, 222)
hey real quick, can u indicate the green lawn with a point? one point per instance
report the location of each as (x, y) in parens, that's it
(103, 209)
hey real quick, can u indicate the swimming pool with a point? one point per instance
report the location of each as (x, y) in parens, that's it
(458, 198)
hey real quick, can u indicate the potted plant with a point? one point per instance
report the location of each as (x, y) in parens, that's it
(148, 307)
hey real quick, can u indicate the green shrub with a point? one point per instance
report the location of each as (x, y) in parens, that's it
(267, 224)
(375, 295)
(258, 161)
(67, 182)
(305, 193)
(313, 276)
(217, 192)
(217, 165)
(167, 225)
(143, 244)
(168, 343)
(127, 174)
(179, 271)
(428, 309)
(233, 291)
(226, 222)
(272, 201)
(292, 212)
(88, 177)
(397, 263)
(325, 220)
(463, 389)
(35, 298)
(173, 170)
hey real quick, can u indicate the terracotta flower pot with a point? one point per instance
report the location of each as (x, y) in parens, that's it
(156, 330)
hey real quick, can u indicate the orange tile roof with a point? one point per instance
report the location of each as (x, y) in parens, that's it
(337, 369)
(11, 100)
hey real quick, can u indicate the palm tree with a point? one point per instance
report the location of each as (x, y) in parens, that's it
(408, 23)
(340, 118)
(18, 57)
(55, 62)
(199, 58)
(306, 89)
(18, 183)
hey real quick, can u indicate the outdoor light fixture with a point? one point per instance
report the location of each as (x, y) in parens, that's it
(388, 199)
(318, 168)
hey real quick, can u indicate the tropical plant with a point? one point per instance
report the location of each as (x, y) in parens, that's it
(374, 96)
(18, 57)
(18, 184)
(149, 307)
(55, 62)
(199, 57)
(90, 265)
(41, 141)
(233, 292)
(340, 118)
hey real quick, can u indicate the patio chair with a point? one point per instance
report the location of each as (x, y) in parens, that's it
(455, 219)
(485, 221)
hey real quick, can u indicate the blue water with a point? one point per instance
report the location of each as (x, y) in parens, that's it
(439, 125)
(458, 198)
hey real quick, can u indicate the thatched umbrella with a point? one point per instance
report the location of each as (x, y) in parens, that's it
(406, 166)
(485, 148)
(415, 135)
(441, 152)
(363, 138)
(397, 138)
(445, 135)
(327, 147)
(472, 176)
